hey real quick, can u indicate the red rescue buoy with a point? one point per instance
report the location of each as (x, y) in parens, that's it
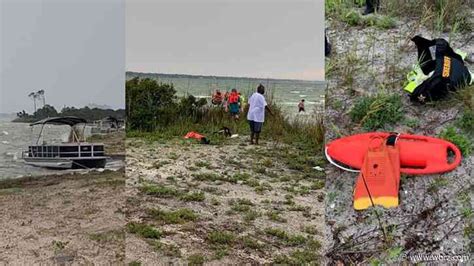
(418, 154)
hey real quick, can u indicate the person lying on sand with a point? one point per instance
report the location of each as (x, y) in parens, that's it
(256, 115)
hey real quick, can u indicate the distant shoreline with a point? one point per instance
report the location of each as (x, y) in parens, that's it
(24, 120)
(138, 74)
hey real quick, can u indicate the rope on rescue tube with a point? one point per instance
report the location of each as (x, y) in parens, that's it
(337, 165)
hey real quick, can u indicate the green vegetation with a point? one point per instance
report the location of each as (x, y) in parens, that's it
(221, 237)
(298, 257)
(318, 184)
(173, 217)
(241, 205)
(204, 164)
(251, 215)
(308, 255)
(193, 196)
(8, 191)
(196, 259)
(275, 216)
(167, 249)
(152, 105)
(354, 18)
(143, 230)
(108, 236)
(59, 245)
(251, 243)
(461, 141)
(162, 191)
(159, 190)
(346, 12)
(375, 112)
(245, 207)
(289, 240)
(466, 122)
(438, 15)
(311, 230)
(437, 184)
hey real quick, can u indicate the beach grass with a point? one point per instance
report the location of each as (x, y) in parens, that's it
(437, 15)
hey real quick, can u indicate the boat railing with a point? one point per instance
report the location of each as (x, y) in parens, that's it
(56, 151)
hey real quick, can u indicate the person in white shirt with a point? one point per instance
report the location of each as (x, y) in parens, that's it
(256, 115)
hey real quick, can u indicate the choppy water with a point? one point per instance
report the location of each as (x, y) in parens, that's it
(15, 138)
(286, 93)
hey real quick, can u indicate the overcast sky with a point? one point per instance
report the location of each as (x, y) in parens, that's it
(258, 38)
(73, 49)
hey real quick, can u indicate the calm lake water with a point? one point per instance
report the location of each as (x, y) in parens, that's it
(286, 93)
(15, 138)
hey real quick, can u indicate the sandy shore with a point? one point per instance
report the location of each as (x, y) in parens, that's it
(222, 204)
(63, 219)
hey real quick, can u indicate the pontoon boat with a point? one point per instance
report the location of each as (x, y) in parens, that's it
(74, 154)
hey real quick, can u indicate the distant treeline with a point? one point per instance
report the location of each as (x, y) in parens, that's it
(90, 114)
(130, 75)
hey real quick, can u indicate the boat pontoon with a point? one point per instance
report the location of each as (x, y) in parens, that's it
(74, 154)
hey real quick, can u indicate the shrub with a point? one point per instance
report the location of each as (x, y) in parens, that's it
(149, 104)
(462, 142)
(173, 217)
(143, 230)
(375, 112)
(221, 237)
(466, 122)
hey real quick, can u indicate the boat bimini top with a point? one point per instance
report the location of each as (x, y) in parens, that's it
(65, 120)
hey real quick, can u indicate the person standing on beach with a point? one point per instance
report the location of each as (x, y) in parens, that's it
(301, 106)
(234, 104)
(256, 115)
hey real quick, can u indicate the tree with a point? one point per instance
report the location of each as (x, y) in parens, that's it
(150, 104)
(33, 95)
(40, 94)
(45, 112)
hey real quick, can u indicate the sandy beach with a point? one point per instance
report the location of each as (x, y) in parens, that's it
(225, 203)
(66, 217)
(63, 219)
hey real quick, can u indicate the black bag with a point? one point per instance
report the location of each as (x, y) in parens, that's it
(450, 73)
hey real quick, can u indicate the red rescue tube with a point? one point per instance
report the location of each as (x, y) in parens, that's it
(419, 155)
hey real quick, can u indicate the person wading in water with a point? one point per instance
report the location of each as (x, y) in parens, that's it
(301, 106)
